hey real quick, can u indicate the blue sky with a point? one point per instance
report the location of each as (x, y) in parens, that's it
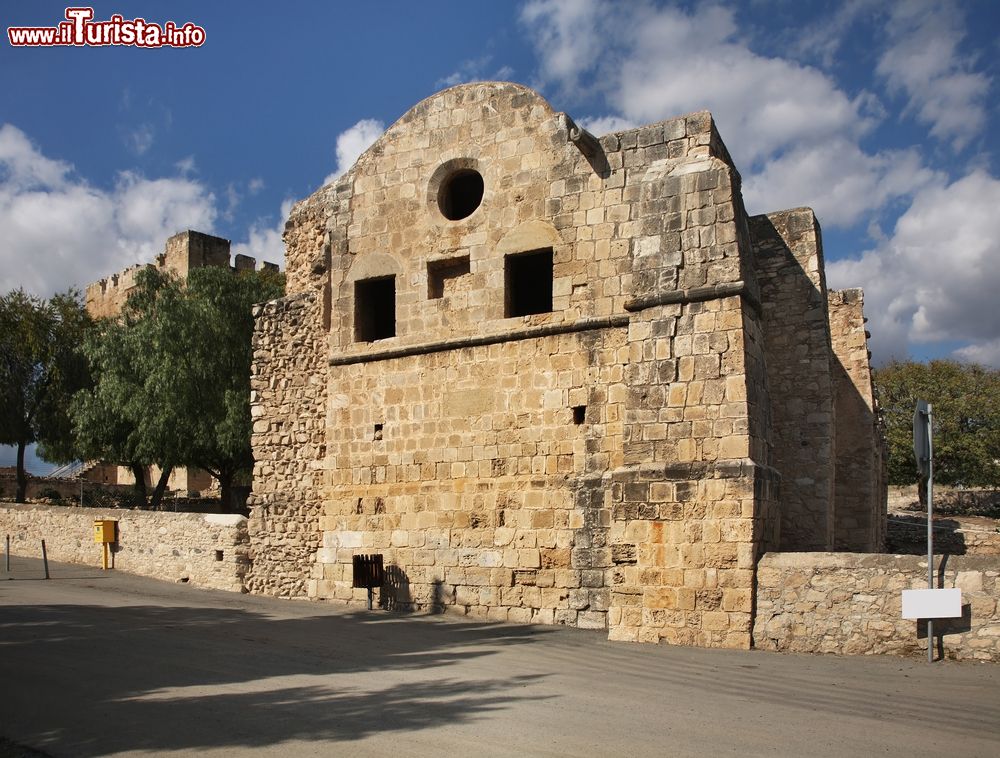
(879, 115)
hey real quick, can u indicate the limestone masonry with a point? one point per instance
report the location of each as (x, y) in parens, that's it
(205, 550)
(557, 379)
(852, 604)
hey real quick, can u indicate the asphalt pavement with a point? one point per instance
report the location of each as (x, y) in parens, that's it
(105, 663)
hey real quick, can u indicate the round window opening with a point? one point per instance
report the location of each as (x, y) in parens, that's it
(460, 194)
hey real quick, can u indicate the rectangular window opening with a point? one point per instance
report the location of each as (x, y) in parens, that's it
(579, 414)
(219, 555)
(528, 283)
(442, 273)
(378, 431)
(375, 309)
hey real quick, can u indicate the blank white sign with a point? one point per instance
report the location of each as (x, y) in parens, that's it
(932, 604)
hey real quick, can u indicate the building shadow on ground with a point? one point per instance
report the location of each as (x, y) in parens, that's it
(172, 678)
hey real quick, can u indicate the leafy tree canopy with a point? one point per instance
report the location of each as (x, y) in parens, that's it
(40, 369)
(965, 400)
(173, 375)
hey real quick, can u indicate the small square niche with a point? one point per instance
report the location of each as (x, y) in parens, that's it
(443, 275)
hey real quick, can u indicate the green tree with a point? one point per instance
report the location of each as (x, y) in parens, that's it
(40, 369)
(965, 401)
(210, 379)
(112, 419)
(173, 376)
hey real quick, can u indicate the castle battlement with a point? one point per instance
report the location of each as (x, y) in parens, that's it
(182, 252)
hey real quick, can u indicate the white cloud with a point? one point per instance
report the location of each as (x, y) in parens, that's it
(59, 231)
(936, 278)
(663, 62)
(140, 139)
(474, 70)
(606, 124)
(150, 210)
(837, 179)
(923, 61)
(985, 353)
(793, 132)
(352, 142)
(567, 36)
(23, 166)
(822, 39)
(264, 242)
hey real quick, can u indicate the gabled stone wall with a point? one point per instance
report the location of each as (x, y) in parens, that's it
(605, 460)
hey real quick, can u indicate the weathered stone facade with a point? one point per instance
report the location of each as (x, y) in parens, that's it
(537, 371)
(852, 604)
(206, 550)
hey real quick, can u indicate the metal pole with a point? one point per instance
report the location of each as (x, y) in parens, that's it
(930, 527)
(6, 556)
(45, 559)
(81, 490)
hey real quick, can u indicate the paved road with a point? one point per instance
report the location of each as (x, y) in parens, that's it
(96, 663)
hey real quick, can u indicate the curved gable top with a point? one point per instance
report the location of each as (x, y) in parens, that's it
(504, 102)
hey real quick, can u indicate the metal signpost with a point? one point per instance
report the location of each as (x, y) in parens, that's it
(923, 451)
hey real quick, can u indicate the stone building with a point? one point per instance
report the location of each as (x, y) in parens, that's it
(556, 379)
(105, 298)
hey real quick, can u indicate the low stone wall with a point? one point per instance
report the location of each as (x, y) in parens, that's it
(206, 550)
(851, 603)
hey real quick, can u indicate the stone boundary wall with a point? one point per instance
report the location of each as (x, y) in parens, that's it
(206, 550)
(851, 604)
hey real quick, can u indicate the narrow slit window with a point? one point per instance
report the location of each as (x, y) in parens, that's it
(528, 283)
(375, 309)
(579, 414)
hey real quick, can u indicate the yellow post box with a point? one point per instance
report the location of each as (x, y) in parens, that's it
(104, 530)
(105, 533)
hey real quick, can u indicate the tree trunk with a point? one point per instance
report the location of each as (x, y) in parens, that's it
(22, 476)
(139, 488)
(226, 488)
(161, 487)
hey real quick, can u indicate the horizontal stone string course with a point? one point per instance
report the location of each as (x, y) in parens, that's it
(695, 295)
(584, 325)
